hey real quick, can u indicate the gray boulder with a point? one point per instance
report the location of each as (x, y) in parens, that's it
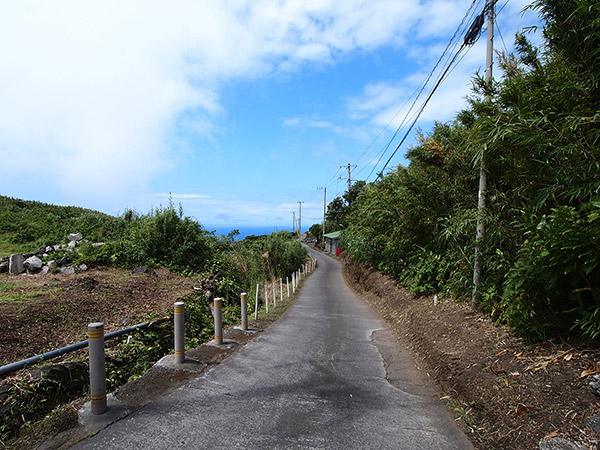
(15, 264)
(72, 244)
(557, 443)
(4, 267)
(52, 264)
(82, 268)
(69, 270)
(75, 237)
(33, 264)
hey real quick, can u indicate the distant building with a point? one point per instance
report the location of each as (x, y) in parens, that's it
(332, 242)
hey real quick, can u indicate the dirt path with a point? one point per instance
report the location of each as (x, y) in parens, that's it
(508, 395)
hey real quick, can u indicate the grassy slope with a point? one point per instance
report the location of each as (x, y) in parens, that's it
(25, 225)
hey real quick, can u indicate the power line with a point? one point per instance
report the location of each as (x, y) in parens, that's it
(451, 43)
(470, 38)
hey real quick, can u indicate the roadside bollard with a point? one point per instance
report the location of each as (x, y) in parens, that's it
(287, 284)
(267, 298)
(218, 304)
(97, 368)
(256, 304)
(281, 290)
(244, 305)
(179, 332)
(274, 296)
(294, 283)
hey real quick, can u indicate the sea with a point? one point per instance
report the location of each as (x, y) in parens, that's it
(246, 231)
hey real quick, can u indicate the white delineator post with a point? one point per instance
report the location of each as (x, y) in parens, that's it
(97, 367)
(281, 290)
(244, 306)
(256, 304)
(218, 304)
(179, 332)
(294, 283)
(274, 296)
(267, 298)
(287, 284)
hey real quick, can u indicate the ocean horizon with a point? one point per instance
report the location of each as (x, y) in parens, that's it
(261, 230)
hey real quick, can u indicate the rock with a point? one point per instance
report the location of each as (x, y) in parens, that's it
(595, 384)
(56, 247)
(72, 244)
(64, 261)
(83, 267)
(594, 423)
(52, 264)
(3, 267)
(45, 270)
(49, 249)
(557, 443)
(41, 250)
(69, 270)
(98, 244)
(33, 264)
(15, 264)
(144, 269)
(75, 237)
(45, 255)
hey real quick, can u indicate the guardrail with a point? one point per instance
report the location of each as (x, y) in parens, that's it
(97, 337)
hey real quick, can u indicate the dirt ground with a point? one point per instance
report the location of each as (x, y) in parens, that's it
(509, 395)
(39, 313)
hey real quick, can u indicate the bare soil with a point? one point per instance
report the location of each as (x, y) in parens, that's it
(508, 394)
(40, 313)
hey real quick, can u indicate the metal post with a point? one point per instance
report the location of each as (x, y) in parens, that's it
(267, 298)
(287, 285)
(97, 367)
(218, 304)
(256, 304)
(179, 332)
(244, 306)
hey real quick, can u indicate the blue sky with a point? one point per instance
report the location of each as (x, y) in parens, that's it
(239, 109)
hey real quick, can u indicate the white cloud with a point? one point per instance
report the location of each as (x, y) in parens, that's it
(94, 90)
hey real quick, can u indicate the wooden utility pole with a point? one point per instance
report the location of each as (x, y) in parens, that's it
(300, 220)
(489, 61)
(324, 209)
(349, 167)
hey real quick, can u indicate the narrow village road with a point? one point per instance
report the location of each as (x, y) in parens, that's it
(328, 375)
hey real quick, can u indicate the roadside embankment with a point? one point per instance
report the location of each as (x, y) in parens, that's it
(507, 393)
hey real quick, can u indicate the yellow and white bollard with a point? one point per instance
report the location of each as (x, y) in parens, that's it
(97, 367)
(179, 331)
(218, 304)
(244, 306)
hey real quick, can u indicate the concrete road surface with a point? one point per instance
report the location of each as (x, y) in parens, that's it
(328, 375)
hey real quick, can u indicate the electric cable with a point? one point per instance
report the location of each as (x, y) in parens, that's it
(423, 85)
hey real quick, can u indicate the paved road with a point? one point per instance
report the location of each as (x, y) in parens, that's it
(318, 378)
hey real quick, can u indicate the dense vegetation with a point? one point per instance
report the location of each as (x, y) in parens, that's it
(539, 133)
(221, 266)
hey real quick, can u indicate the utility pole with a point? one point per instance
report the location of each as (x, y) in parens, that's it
(324, 209)
(489, 61)
(349, 167)
(300, 220)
